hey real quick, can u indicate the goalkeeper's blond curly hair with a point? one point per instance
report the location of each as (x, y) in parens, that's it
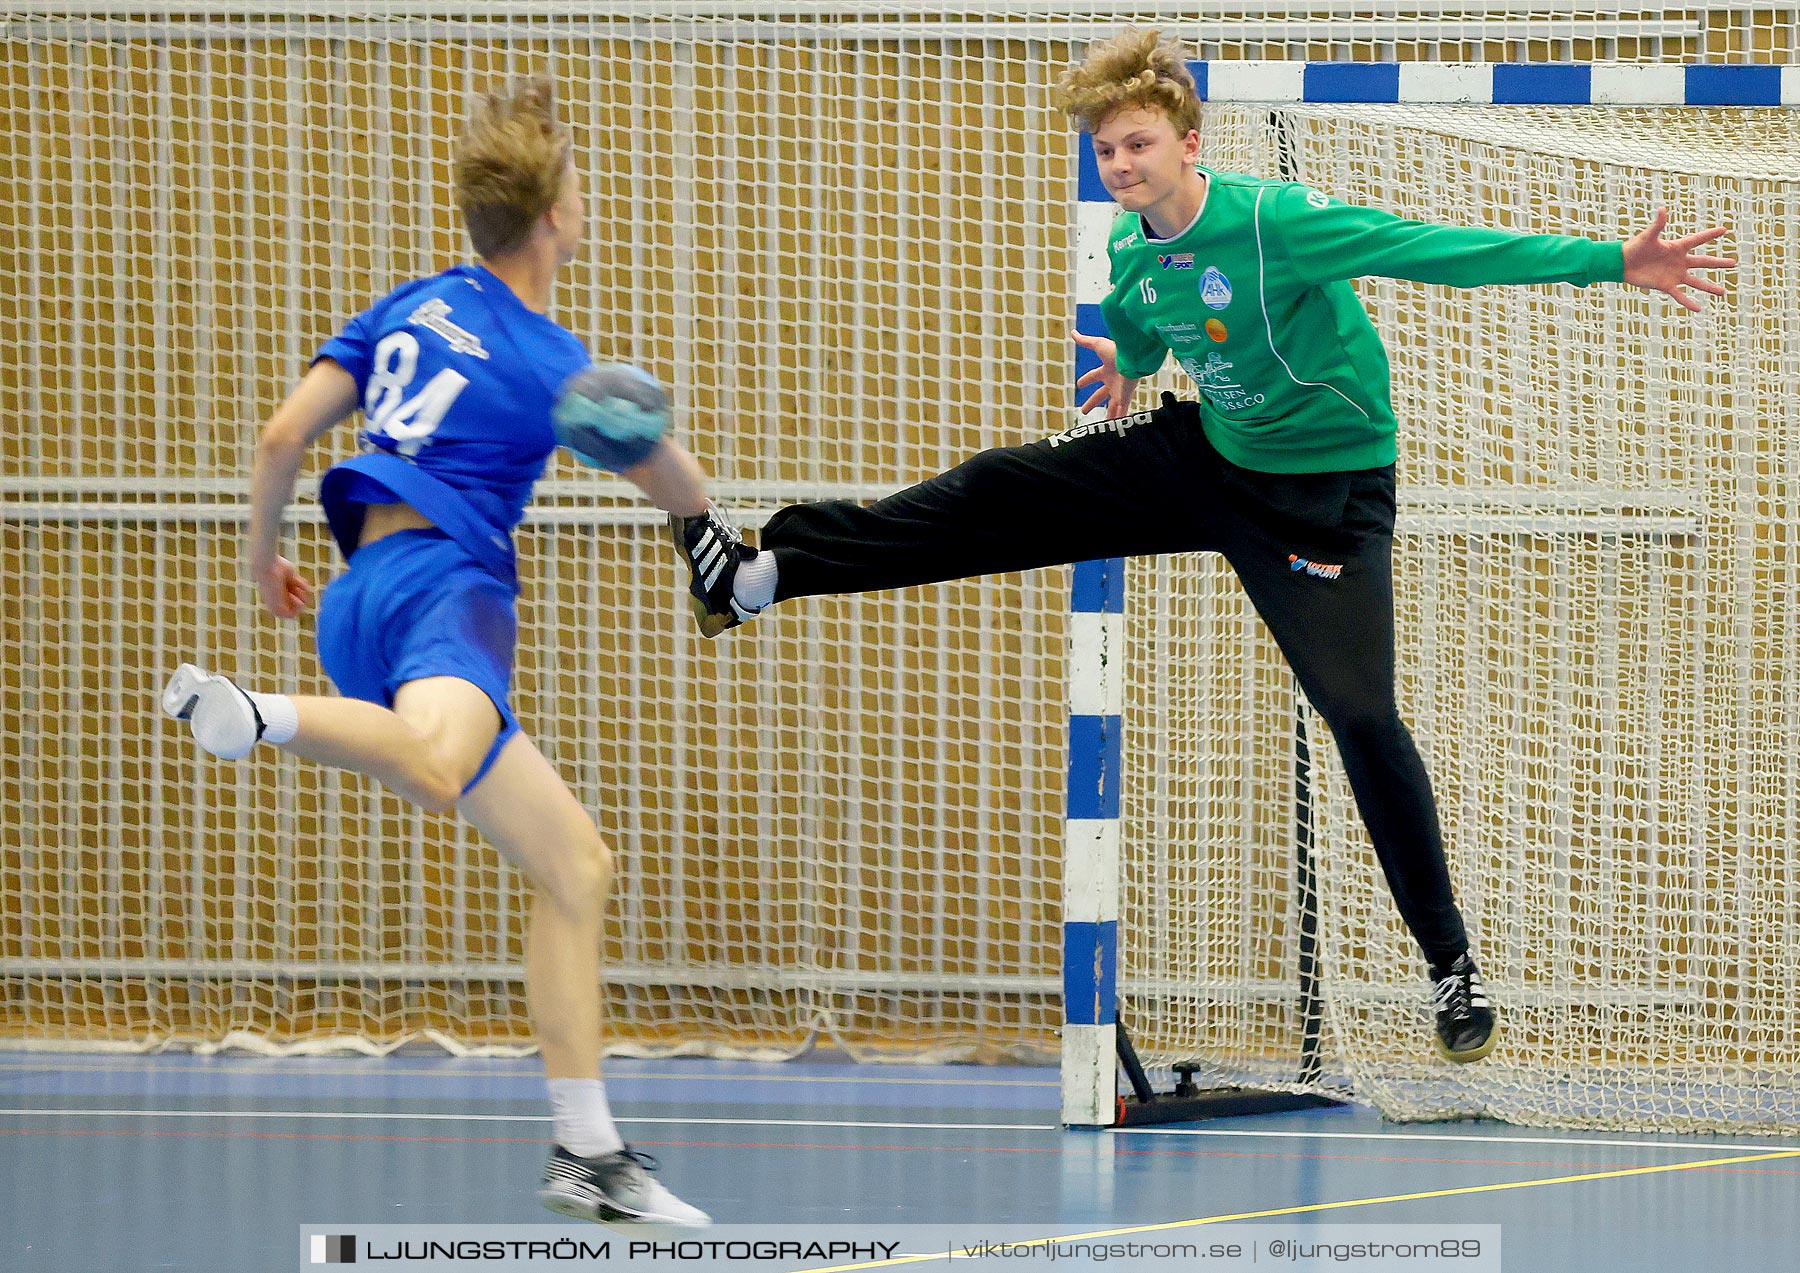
(510, 166)
(1135, 70)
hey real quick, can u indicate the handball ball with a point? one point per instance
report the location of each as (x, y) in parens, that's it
(612, 416)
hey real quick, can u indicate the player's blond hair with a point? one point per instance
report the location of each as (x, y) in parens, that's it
(510, 165)
(1135, 70)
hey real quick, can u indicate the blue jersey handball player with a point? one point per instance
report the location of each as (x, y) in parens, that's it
(457, 376)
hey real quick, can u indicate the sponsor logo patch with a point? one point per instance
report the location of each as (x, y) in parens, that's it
(1176, 261)
(1216, 330)
(1213, 378)
(1317, 569)
(434, 315)
(1215, 288)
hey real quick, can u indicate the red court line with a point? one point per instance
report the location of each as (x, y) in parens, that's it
(733, 1144)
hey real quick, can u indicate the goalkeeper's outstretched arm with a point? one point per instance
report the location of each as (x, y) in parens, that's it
(1326, 239)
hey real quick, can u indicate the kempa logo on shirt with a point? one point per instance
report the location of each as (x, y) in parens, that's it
(1317, 569)
(434, 315)
(1125, 242)
(1177, 261)
(1121, 426)
(1215, 288)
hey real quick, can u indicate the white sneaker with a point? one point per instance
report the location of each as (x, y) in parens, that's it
(615, 1188)
(224, 720)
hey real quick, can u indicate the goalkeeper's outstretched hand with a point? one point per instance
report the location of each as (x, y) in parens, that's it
(1667, 265)
(1115, 390)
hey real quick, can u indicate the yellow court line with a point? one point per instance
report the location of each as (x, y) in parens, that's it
(1334, 1206)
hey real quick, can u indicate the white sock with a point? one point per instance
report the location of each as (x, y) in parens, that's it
(280, 721)
(754, 583)
(583, 1121)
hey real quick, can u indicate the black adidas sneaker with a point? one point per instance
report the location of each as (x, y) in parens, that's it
(713, 550)
(1466, 1029)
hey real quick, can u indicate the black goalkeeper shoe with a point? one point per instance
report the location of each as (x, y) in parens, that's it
(1466, 1030)
(713, 550)
(615, 1188)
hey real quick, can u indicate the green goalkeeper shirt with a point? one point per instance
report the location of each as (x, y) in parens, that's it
(1253, 300)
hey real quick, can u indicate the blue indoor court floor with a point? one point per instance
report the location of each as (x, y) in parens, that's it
(117, 1163)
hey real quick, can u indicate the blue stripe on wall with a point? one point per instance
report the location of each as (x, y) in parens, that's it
(1094, 752)
(1089, 322)
(1089, 319)
(1090, 973)
(1525, 83)
(1352, 82)
(1100, 586)
(1088, 187)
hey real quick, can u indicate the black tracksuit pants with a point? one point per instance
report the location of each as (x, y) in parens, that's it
(1312, 550)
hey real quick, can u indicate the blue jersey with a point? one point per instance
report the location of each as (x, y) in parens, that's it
(457, 380)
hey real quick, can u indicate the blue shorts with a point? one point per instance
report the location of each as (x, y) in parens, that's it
(411, 605)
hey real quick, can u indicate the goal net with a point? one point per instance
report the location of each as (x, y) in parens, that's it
(1595, 573)
(842, 236)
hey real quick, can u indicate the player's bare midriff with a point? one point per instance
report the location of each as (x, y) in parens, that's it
(382, 520)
